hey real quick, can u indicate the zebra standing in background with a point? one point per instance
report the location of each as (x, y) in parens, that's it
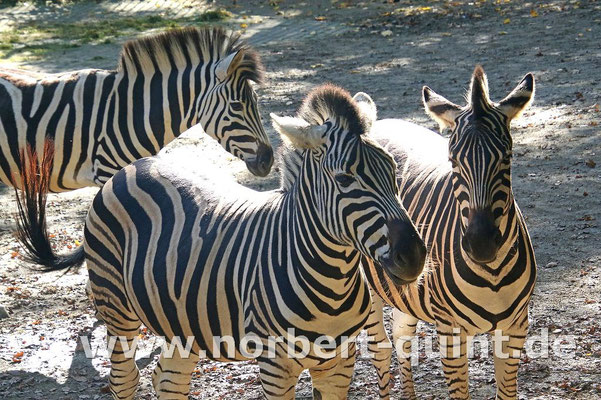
(100, 121)
(481, 269)
(187, 258)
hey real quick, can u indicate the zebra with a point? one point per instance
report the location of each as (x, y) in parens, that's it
(100, 121)
(481, 267)
(180, 253)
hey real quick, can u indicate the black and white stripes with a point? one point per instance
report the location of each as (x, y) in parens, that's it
(481, 268)
(189, 257)
(100, 121)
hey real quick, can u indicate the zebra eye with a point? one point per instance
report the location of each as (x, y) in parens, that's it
(453, 162)
(236, 106)
(344, 180)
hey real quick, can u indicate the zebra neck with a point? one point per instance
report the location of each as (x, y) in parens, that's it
(316, 252)
(152, 110)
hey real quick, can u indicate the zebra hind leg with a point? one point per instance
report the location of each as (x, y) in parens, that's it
(122, 326)
(403, 332)
(379, 346)
(172, 376)
(279, 374)
(332, 379)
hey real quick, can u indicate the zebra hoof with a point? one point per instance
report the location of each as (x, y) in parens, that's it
(3, 313)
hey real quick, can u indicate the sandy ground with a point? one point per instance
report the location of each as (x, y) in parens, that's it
(388, 49)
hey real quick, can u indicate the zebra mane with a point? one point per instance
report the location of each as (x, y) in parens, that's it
(322, 103)
(185, 46)
(291, 161)
(332, 102)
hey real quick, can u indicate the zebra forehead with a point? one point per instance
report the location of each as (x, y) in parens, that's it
(491, 126)
(330, 102)
(189, 46)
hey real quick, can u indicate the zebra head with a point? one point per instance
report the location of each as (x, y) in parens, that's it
(230, 112)
(348, 182)
(480, 149)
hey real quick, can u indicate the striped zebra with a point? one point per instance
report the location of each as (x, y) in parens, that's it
(101, 121)
(481, 267)
(183, 255)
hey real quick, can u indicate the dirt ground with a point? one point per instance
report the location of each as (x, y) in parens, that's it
(389, 49)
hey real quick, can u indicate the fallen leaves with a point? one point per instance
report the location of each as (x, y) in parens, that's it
(18, 357)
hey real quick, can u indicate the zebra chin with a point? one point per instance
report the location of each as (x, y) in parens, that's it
(400, 274)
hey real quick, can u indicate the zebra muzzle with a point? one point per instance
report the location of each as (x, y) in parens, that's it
(482, 238)
(405, 261)
(260, 165)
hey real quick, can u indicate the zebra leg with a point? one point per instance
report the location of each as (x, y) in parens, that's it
(172, 375)
(379, 345)
(403, 331)
(508, 362)
(332, 379)
(122, 326)
(279, 376)
(453, 352)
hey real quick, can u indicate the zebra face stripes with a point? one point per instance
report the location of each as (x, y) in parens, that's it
(480, 149)
(231, 114)
(348, 177)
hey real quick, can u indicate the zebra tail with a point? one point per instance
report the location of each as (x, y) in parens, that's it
(32, 230)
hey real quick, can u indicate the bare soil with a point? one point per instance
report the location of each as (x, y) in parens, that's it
(389, 49)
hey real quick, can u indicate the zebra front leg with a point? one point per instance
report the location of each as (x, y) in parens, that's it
(453, 352)
(332, 379)
(403, 333)
(508, 362)
(172, 375)
(379, 345)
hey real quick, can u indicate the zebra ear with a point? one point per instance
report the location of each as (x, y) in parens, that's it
(440, 109)
(519, 99)
(367, 107)
(478, 94)
(228, 65)
(299, 132)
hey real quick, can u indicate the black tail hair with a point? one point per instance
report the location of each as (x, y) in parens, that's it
(32, 231)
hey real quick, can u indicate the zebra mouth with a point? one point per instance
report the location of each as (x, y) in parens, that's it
(393, 271)
(260, 164)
